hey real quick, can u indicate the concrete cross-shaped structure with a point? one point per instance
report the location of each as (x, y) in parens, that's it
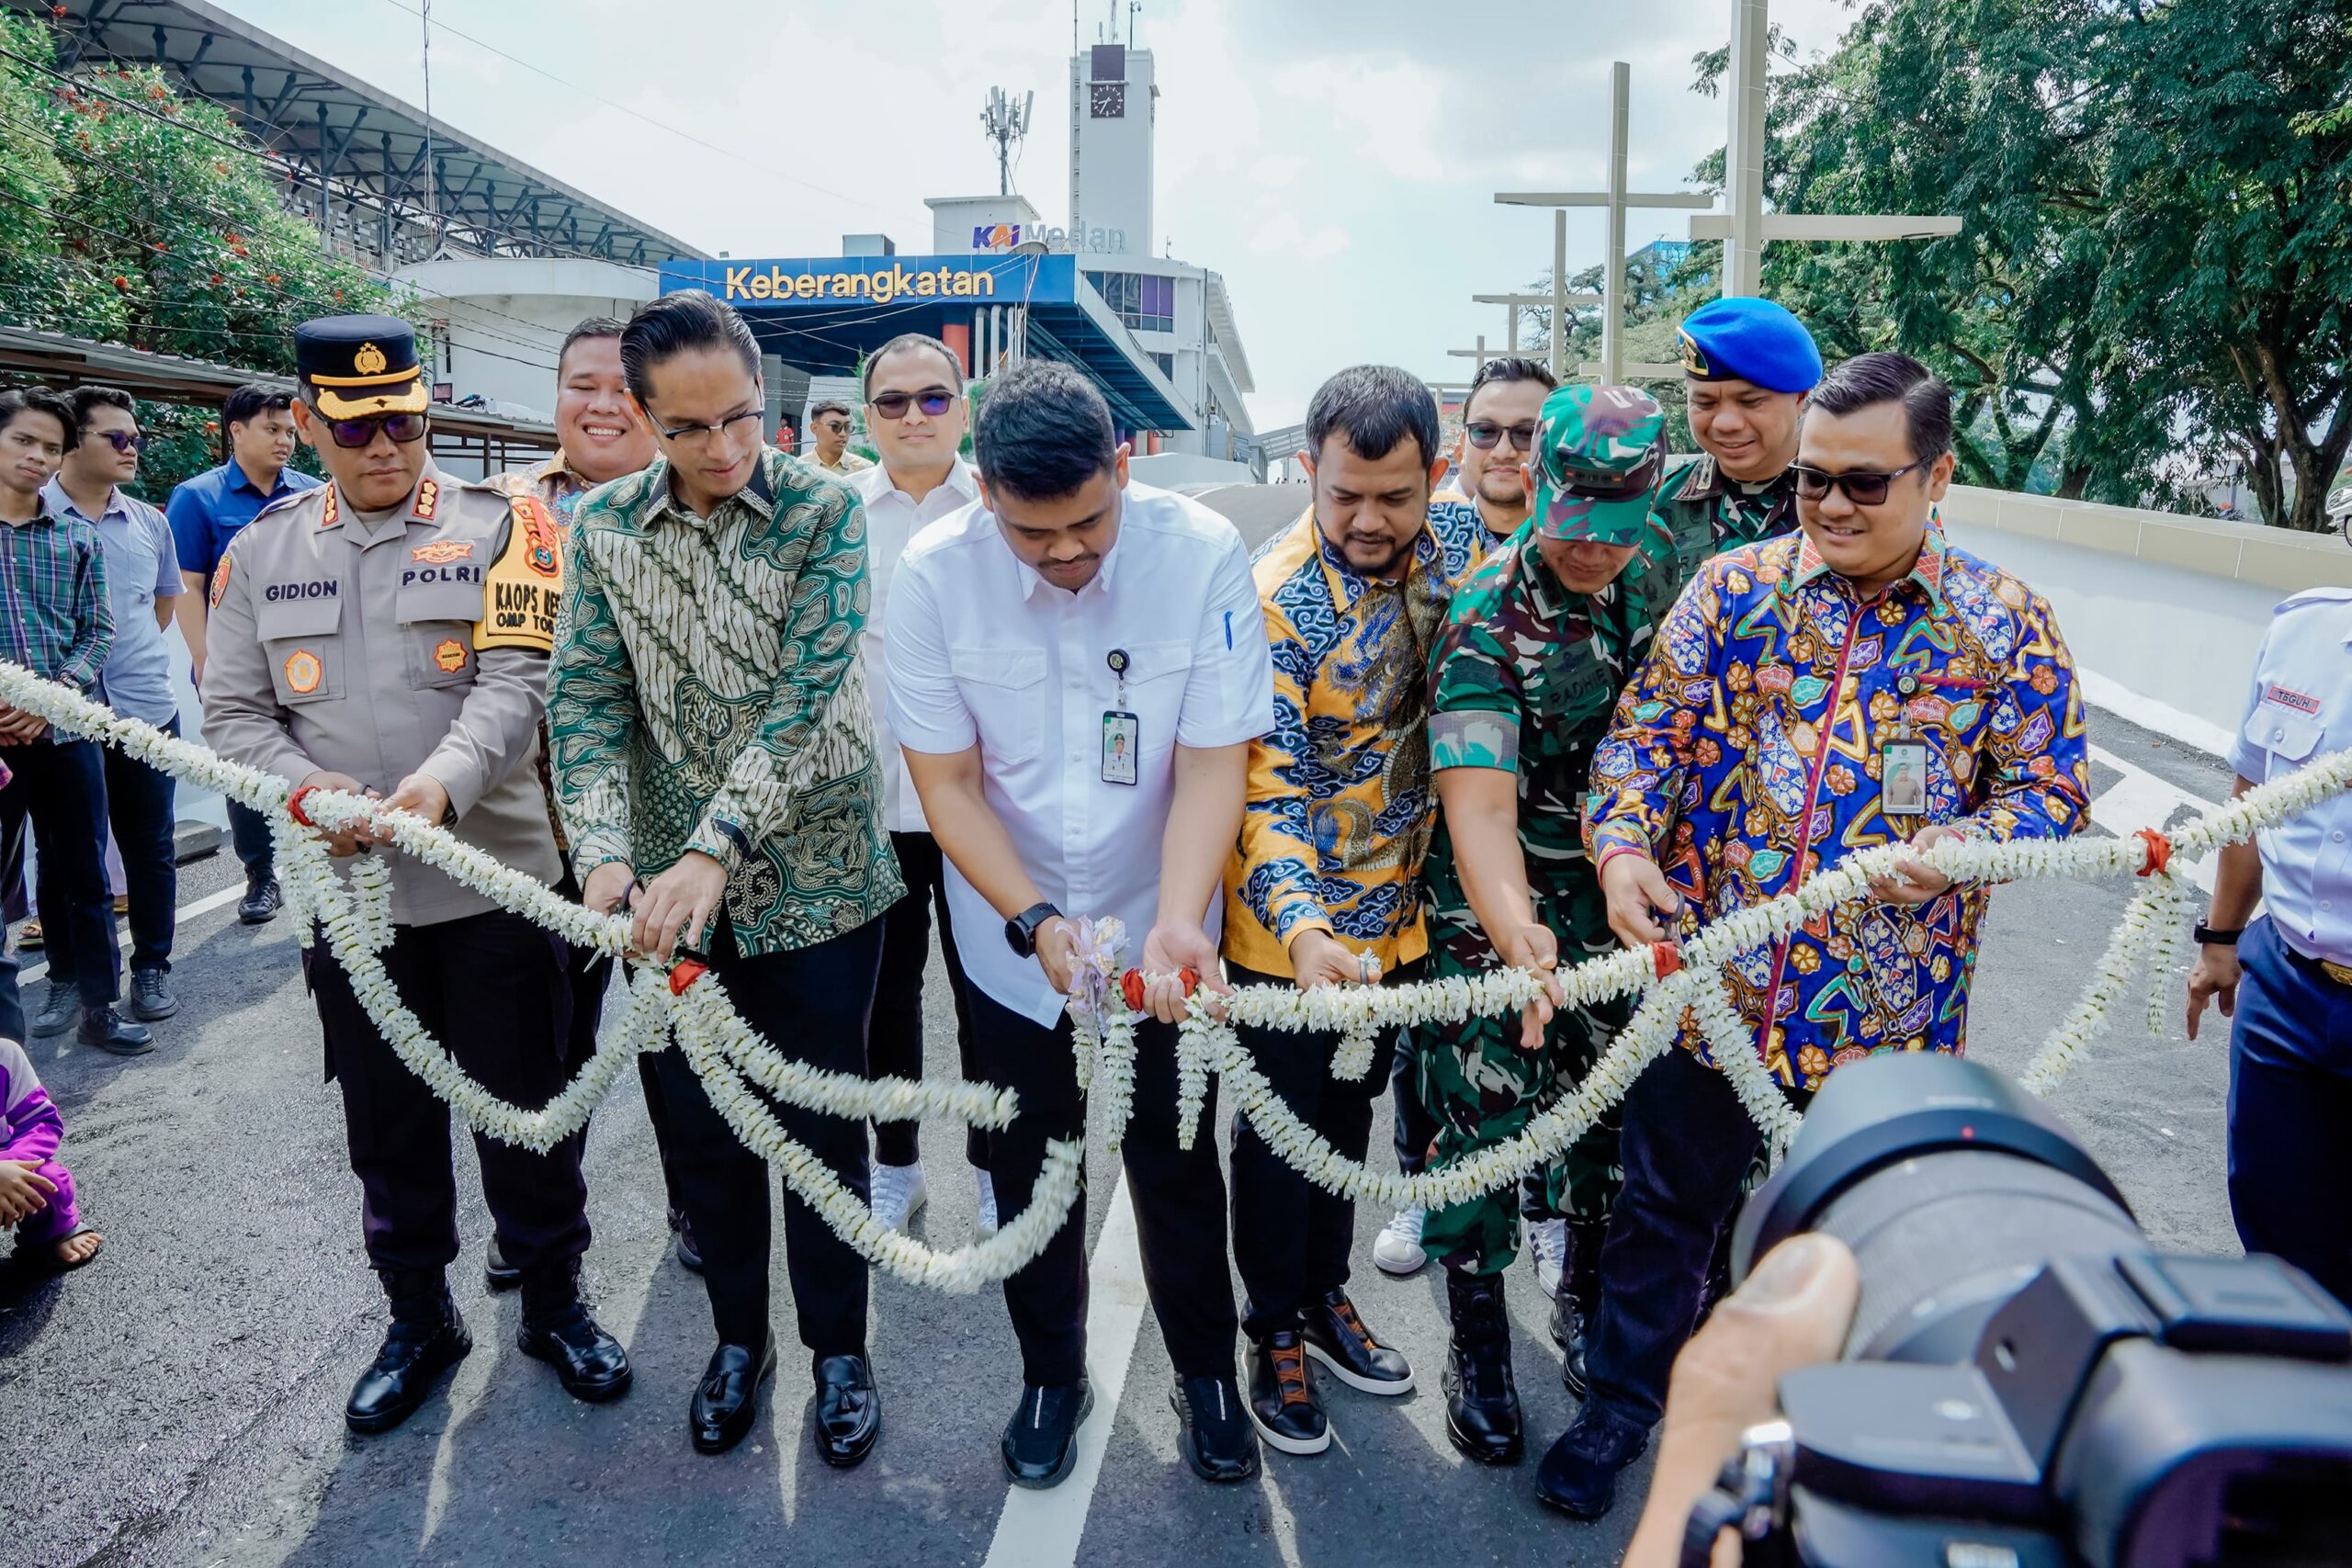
(1618, 201)
(1746, 227)
(1558, 300)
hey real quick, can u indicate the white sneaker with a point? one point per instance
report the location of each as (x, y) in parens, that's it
(1549, 1240)
(898, 1191)
(985, 1225)
(1399, 1250)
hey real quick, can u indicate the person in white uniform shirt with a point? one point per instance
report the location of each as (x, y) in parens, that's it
(914, 411)
(1077, 667)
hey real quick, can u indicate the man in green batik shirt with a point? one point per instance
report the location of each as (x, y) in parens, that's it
(1539, 641)
(713, 757)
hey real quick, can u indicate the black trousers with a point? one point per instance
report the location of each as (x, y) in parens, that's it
(1414, 1128)
(1291, 1238)
(810, 1004)
(60, 786)
(139, 804)
(249, 831)
(894, 1042)
(493, 989)
(1686, 1148)
(1178, 1198)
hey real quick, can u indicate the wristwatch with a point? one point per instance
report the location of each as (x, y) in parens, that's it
(2208, 937)
(1022, 929)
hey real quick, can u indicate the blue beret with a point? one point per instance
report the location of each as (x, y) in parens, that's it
(1749, 340)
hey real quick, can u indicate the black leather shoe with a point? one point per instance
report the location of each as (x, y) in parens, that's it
(1213, 1428)
(1579, 1475)
(849, 1410)
(1284, 1404)
(1337, 1338)
(109, 1030)
(1481, 1400)
(726, 1402)
(151, 996)
(1041, 1441)
(496, 1272)
(60, 1010)
(260, 904)
(689, 1255)
(1567, 1333)
(591, 1362)
(427, 1338)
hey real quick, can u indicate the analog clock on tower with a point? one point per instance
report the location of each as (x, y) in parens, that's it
(1108, 100)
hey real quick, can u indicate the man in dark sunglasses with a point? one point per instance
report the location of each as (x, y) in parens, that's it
(388, 634)
(830, 424)
(1498, 419)
(1747, 365)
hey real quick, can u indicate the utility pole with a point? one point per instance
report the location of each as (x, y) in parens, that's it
(1005, 124)
(1616, 200)
(1745, 228)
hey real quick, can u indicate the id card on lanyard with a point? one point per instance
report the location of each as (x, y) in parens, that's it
(1122, 731)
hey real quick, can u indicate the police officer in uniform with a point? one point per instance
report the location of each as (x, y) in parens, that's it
(1747, 365)
(389, 632)
(2285, 980)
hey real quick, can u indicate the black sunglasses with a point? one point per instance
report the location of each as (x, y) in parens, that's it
(934, 401)
(1861, 489)
(1484, 435)
(358, 433)
(122, 440)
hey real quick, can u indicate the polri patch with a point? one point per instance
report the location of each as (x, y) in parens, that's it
(441, 552)
(449, 654)
(304, 672)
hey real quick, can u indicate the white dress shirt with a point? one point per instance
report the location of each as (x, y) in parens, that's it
(892, 519)
(986, 651)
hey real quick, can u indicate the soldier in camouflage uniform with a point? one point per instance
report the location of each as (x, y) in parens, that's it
(1747, 365)
(1539, 641)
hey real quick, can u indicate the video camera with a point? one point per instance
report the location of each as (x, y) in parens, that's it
(2026, 1384)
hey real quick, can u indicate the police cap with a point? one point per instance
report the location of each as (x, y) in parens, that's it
(358, 366)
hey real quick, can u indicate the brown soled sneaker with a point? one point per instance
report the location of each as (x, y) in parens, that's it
(1335, 1335)
(1284, 1404)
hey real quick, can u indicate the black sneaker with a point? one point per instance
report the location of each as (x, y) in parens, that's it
(1578, 1477)
(150, 998)
(1213, 1428)
(1337, 1338)
(109, 1030)
(1284, 1404)
(261, 902)
(60, 1010)
(683, 1242)
(1041, 1441)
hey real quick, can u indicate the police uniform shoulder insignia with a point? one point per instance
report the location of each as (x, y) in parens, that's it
(429, 499)
(220, 584)
(332, 510)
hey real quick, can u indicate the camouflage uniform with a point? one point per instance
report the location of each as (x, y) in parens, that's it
(1523, 679)
(1702, 513)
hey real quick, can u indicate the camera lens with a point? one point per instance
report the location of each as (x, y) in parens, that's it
(1952, 1185)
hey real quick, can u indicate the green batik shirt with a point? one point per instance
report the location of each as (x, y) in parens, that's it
(1702, 514)
(1523, 679)
(706, 694)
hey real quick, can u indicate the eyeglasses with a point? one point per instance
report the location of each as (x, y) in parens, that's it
(124, 440)
(833, 426)
(933, 400)
(699, 433)
(358, 433)
(1861, 489)
(1485, 435)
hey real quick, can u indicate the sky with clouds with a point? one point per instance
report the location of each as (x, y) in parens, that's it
(1334, 159)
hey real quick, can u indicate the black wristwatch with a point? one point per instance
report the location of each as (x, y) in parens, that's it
(1022, 929)
(2208, 937)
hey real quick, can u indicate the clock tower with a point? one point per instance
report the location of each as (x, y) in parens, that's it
(1112, 109)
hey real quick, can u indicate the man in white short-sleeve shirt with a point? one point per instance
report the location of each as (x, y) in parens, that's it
(914, 412)
(1076, 666)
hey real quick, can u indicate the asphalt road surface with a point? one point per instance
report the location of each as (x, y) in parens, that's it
(180, 1401)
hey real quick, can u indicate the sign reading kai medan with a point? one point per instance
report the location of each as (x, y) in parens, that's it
(817, 282)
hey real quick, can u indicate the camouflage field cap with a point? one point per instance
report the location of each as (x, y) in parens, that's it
(1599, 453)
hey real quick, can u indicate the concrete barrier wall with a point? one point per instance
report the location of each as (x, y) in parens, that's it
(2245, 552)
(1169, 469)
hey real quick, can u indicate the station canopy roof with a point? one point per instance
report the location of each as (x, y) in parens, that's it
(826, 314)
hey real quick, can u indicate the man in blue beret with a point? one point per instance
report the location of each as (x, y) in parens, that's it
(1747, 366)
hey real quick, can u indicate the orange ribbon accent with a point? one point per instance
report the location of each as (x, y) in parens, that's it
(1131, 990)
(2159, 851)
(684, 973)
(294, 805)
(1666, 958)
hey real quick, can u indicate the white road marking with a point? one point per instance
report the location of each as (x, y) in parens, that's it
(189, 912)
(1041, 1530)
(2129, 705)
(2140, 799)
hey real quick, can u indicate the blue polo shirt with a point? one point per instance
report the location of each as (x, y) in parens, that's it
(207, 510)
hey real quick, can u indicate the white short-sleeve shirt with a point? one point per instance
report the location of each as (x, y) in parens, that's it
(983, 651)
(2300, 709)
(892, 519)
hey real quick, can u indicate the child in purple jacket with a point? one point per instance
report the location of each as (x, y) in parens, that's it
(36, 1193)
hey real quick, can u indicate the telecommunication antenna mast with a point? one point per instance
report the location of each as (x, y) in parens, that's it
(1006, 124)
